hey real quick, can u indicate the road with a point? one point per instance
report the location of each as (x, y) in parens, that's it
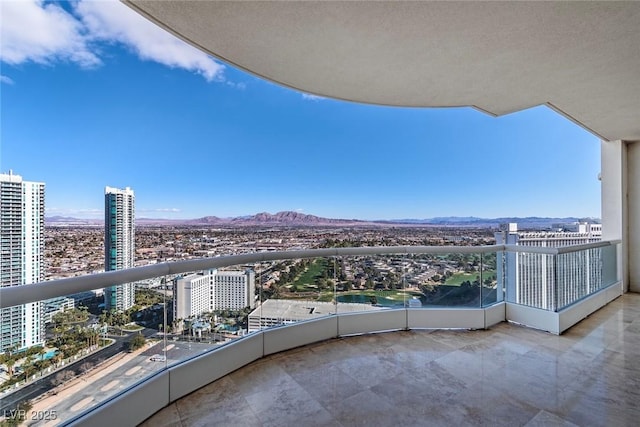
(44, 384)
(102, 384)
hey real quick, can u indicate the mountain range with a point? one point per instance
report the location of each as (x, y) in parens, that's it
(297, 219)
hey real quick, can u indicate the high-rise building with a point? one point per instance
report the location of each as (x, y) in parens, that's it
(213, 290)
(119, 244)
(21, 249)
(551, 281)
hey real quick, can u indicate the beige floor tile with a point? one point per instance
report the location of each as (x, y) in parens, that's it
(506, 376)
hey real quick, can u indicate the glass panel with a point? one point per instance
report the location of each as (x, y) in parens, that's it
(420, 280)
(553, 282)
(406, 287)
(296, 290)
(219, 303)
(264, 280)
(530, 279)
(370, 283)
(579, 275)
(456, 282)
(491, 290)
(85, 356)
(609, 265)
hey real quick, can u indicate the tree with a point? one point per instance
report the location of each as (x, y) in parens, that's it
(62, 377)
(137, 342)
(10, 362)
(29, 368)
(57, 358)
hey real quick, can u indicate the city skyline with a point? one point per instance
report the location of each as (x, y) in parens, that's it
(113, 100)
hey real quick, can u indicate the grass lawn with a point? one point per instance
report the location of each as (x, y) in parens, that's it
(458, 278)
(327, 296)
(132, 327)
(305, 282)
(392, 295)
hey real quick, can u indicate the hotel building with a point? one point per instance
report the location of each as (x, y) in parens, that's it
(213, 290)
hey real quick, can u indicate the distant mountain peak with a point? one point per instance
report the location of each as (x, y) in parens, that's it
(293, 218)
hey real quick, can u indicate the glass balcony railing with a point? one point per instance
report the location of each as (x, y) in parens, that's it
(553, 279)
(87, 358)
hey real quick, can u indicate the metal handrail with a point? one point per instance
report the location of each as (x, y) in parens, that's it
(15, 295)
(560, 249)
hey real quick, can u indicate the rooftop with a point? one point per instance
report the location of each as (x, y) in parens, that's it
(507, 375)
(302, 310)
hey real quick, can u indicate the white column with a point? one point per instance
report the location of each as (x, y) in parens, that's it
(633, 213)
(620, 176)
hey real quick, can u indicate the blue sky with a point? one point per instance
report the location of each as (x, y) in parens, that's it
(99, 97)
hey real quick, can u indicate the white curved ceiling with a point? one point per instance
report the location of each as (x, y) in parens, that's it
(581, 58)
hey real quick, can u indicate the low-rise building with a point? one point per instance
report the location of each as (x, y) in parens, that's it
(274, 312)
(53, 306)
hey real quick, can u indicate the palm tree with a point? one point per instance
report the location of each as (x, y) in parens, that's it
(28, 367)
(93, 337)
(59, 357)
(10, 362)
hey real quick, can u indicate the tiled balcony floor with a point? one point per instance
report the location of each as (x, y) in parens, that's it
(507, 376)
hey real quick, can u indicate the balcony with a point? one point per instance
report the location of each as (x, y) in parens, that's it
(132, 387)
(496, 58)
(506, 375)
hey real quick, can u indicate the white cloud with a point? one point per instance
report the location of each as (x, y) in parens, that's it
(45, 33)
(42, 33)
(6, 80)
(310, 97)
(241, 85)
(112, 21)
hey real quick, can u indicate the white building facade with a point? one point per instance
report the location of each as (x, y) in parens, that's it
(22, 248)
(213, 290)
(53, 306)
(192, 295)
(233, 290)
(547, 281)
(119, 244)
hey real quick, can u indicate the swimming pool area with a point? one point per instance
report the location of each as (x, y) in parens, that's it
(49, 354)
